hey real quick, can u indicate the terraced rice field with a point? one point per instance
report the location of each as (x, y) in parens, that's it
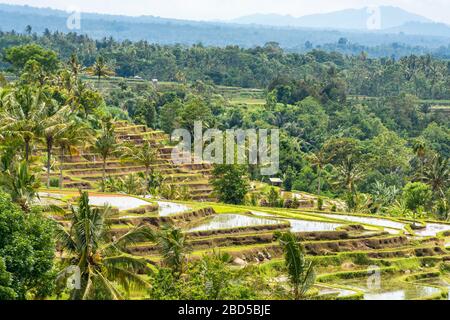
(344, 247)
(84, 170)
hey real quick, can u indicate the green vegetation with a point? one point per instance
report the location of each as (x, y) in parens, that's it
(358, 139)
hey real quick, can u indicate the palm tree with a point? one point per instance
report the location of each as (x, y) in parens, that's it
(420, 149)
(172, 246)
(100, 256)
(75, 66)
(54, 126)
(76, 133)
(144, 155)
(349, 173)
(22, 116)
(301, 272)
(100, 69)
(106, 144)
(318, 160)
(18, 181)
(437, 175)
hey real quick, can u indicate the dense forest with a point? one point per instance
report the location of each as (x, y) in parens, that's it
(424, 76)
(373, 134)
(342, 117)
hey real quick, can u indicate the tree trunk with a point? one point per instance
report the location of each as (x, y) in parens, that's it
(49, 157)
(104, 174)
(319, 180)
(147, 180)
(61, 161)
(27, 149)
(296, 293)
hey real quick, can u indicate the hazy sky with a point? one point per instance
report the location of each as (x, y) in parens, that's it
(227, 9)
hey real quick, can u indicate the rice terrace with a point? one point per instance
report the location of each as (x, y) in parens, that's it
(94, 206)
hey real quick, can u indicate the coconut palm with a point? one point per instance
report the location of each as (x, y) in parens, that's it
(106, 144)
(349, 173)
(319, 160)
(104, 267)
(22, 116)
(20, 182)
(76, 133)
(75, 67)
(301, 272)
(100, 69)
(420, 149)
(173, 248)
(437, 175)
(145, 155)
(55, 124)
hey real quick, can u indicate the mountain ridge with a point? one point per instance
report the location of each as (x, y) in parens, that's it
(390, 17)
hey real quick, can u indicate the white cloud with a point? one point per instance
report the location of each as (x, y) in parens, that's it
(228, 9)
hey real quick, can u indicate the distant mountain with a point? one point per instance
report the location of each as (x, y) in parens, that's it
(425, 29)
(166, 31)
(355, 19)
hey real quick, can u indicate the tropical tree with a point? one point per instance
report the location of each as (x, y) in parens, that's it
(145, 155)
(230, 183)
(100, 69)
(437, 175)
(76, 133)
(27, 252)
(74, 66)
(19, 182)
(173, 248)
(106, 144)
(420, 149)
(99, 256)
(301, 272)
(22, 116)
(417, 196)
(54, 125)
(348, 174)
(319, 160)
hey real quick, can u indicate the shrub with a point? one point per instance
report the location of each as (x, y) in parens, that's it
(320, 204)
(54, 182)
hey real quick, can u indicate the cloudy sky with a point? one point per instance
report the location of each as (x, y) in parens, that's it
(227, 9)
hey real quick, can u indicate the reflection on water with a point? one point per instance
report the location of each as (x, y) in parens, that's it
(230, 221)
(366, 220)
(312, 226)
(432, 229)
(119, 202)
(303, 225)
(337, 292)
(169, 208)
(437, 282)
(390, 289)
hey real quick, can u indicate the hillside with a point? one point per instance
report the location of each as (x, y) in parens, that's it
(172, 31)
(345, 19)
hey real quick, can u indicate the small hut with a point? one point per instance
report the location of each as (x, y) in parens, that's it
(276, 182)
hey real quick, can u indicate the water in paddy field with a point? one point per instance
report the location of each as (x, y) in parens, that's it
(390, 289)
(231, 221)
(437, 282)
(119, 202)
(432, 229)
(169, 208)
(312, 226)
(366, 220)
(337, 292)
(303, 225)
